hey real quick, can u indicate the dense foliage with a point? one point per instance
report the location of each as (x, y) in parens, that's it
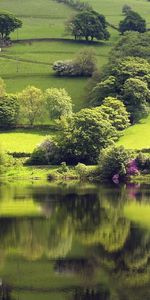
(83, 65)
(113, 163)
(128, 80)
(9, 110)
(59, 103)
(88, 24)
(8, 24)
(132, 22)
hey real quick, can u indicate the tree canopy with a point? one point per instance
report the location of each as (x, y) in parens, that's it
(133, 21)
(8, 24)
(89, 25)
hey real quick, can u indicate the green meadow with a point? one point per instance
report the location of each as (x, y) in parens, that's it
(137, 136)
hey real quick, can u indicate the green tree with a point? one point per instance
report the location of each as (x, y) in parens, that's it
(9, 110)
(88, 24)
(8, 24)
(2, 161)
(59, 103)
(132, 43)
(136, 96)
(134, 22)
(31, 103)
(117, 113)
(103, 89)
(86, 134)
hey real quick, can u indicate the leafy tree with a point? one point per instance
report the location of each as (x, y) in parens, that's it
(114, 161)
(31, 103)
(2, 88)
(59, 103)
(9, 110)
(8, 24)
(117, 113)
(136, 97)
(129, 67)
(103, 89)
(88, 24)
(86, 134)
(133, 21)
(132, 43)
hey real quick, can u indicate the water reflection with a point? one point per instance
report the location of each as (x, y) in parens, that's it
(80, 246)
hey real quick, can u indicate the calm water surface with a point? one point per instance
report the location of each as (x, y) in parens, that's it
(74, 241)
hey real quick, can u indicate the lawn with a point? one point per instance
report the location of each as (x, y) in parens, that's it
(23, 140)
(137, 136)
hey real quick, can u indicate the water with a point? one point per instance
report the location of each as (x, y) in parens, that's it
(74, 241)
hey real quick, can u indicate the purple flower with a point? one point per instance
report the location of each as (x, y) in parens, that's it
(132, 168)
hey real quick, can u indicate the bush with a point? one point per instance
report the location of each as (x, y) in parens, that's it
(87, 171)
(46, 153)
(83, 65)
(113, 162)
(9, 110)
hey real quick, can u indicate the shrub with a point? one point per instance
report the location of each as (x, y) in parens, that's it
(83, 65)
(143, 162)
(45, 153)
(114, 161)
(9, 110)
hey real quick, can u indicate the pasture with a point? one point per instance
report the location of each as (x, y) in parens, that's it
(137, 136)
(23, 140)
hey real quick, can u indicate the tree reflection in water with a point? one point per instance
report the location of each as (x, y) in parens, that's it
(94, 221)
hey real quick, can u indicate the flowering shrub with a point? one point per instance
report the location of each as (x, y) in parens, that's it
(132, 168)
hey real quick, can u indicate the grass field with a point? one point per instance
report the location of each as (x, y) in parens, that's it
(137, 136)
(23, 140)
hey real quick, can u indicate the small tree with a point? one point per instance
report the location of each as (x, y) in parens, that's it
(59, 103)
(133, 21)
(9, 110)
(8, 24)
(2, 161)
(88, 24)
(136, 97)
(88, 131)
(117, 113)
(31, 103)
(85, 62)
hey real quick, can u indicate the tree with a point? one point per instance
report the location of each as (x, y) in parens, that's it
(85, 62)
(86, 134)
(31, 103)
(129, 67)
(88, 24)
(136, 97)
(133, 21)
(132, 43)
(103, 89)
(9, 110)
(2, 88)
(117, 113)
(8, 24)
(59, 103)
